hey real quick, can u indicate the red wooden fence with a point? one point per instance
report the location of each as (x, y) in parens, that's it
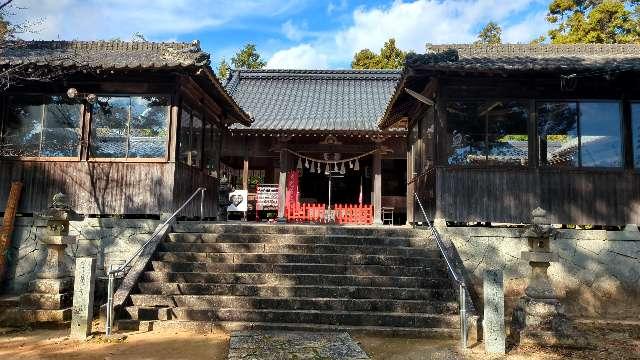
(343, 213)
(315, 213)
(353, 214)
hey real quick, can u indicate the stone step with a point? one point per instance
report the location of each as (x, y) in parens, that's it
(297, 249)
(297, 279)
(295, 303)
(300, 268)
(305, 291)
(356, 318)
(337, 259)
(302, 239)
(205, 327)
(223, 228)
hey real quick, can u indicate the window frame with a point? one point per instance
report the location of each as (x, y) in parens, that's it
(580, 167)
(127, 159)
(3, 126)
(442, 162)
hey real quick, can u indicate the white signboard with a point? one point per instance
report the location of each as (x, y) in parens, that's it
(238, 201)
(267, 197)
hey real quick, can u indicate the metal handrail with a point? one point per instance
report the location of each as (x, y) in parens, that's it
(120, 269)
(461, 285)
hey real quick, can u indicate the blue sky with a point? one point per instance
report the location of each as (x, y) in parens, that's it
(288, 34)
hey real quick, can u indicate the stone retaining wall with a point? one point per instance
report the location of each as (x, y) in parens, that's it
(598, 273)
(110, 240)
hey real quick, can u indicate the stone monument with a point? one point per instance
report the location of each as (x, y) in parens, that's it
(49, 298)
(539, 317)
(494, 333)
(83, 288)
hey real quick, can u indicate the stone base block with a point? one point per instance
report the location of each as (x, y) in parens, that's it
(51, 286)
(46, 301)
(546, 338)
(46, 316)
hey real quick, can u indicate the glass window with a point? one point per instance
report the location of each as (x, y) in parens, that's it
(23, 127)
(487, 133)
(185, 136)
(635, 133)
(466, 134)
(211, 146)
(61, 130)
(149, 125)
(130, 127)
(46, 126)
(196, 140)
(573, 134)
(600, 140)
(110, 127)
(558, 134)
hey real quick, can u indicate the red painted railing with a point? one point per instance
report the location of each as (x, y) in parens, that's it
(353, 214)
(298, 213)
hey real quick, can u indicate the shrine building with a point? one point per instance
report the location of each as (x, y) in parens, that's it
(315, 133)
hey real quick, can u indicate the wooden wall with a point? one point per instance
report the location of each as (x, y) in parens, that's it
(509, 195)
(92, 187)
(187, 180)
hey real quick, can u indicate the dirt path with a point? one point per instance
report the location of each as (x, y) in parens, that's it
(54, 344)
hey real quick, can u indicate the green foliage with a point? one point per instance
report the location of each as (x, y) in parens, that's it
(490, 34)
(539, 40)
(594, 21)
(223, 70)
(248, 58)
(390, 57)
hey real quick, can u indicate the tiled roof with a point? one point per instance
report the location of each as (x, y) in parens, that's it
(104, 54)
(525, 57)
(123, 56)
(314, 99)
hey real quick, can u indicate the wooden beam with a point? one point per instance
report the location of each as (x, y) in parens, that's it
(419, 97)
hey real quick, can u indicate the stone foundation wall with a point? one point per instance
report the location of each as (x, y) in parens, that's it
(598, 273)
(109, 240)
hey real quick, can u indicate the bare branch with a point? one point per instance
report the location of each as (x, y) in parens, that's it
(5, 3)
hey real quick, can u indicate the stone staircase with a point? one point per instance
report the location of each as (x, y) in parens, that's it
(389, 281)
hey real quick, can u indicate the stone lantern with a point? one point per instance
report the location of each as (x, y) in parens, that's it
(539, 317)
(49, 298)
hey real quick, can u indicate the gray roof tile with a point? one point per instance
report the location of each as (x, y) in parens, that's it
(526, 57)
(104, 54)
(314, 99)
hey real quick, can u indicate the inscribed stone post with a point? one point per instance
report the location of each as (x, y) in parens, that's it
(83, 286)
(493, 323)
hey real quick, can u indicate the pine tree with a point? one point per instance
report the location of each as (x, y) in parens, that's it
(490, 34)
(248, 58)
(390, 57)
(223, 70)
(594, 21)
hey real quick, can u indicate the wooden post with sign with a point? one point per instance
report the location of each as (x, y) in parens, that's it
(7, 225)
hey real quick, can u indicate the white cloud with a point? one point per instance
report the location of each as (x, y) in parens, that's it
(336, 6)
(293, 32)
(104, 19)
(303, 56)
(529, 28)
(415, 23)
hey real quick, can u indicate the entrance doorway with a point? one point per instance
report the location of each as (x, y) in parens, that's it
(345, 188)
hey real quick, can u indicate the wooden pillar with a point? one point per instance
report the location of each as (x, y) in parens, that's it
(377, 187)
(7, 224)
(411, 187)
(245, 173)
(282, 184)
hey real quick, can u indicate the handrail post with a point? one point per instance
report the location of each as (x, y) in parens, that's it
(202, 203)
(110, 287)
(463, 316)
